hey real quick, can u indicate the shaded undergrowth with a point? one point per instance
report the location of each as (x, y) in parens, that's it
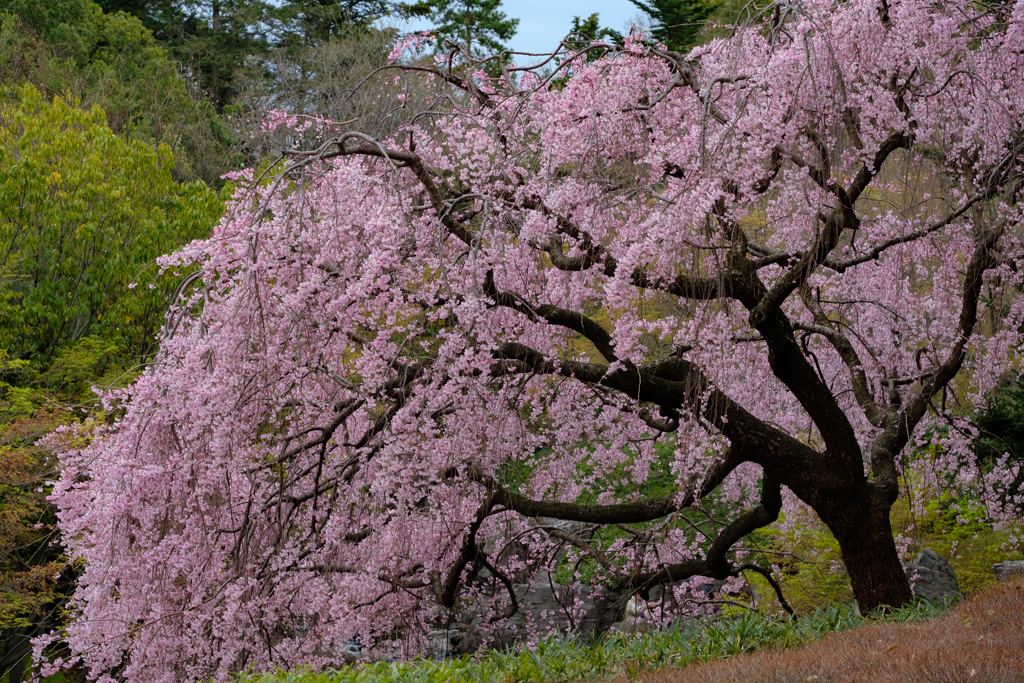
(565, 659)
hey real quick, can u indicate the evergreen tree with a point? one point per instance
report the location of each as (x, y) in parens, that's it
(677, 23)
(214, 38)
(318, 20)
(156, 15)
(478, 26)
(585, 31)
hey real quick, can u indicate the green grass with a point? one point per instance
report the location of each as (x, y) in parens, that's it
(563, 659)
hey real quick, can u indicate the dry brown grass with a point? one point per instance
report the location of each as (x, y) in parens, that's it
(978, 641)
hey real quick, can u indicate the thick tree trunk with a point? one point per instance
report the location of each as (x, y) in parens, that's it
(860, 523)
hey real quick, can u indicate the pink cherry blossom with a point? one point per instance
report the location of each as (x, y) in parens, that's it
(777, 271)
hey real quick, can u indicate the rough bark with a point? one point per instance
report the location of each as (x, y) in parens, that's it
(860, 523)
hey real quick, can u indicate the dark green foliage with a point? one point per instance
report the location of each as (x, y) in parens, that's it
(479, 26)
(677, 23)
(565, 659)
(1001, 425)
(220, 39)
(66, 21)
(307, 21)
(215, 38)
(212, 38)
(585, 31)
(155, 15)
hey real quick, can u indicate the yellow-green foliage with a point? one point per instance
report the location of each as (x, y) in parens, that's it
(812, 573)
(83, 215)
(956, 529)
(71, 47)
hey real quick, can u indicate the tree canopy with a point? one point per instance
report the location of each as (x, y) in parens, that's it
(112, 60)
(83, 214)
(637, 316)
(583, 32)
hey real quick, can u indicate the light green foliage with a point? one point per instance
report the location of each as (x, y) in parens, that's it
(562, 659)
(83, 215)
(113, 61)
(811, 572)
(956, 528)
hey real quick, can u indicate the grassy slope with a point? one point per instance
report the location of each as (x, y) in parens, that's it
(979, 640)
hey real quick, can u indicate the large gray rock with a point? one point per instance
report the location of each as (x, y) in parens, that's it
(1004, 570)
(933, 577)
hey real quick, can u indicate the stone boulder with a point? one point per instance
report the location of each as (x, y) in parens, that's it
(1004, 570)
(933, 577)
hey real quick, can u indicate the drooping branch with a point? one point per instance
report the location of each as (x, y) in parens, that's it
(846, 351)
(767, 575)
(769, 256)
(678, 384)
(842, 217)
(899, 427)
(445, 592)
(594, 254)
(876, 251)
(554, 315)
(619, 513)
(715, 564)
(584, 546)
(509, 588)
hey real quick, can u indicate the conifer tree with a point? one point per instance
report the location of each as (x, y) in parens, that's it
(478, 26)
(677, 23)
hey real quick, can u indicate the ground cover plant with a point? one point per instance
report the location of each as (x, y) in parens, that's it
(565, 659)
(410, 373)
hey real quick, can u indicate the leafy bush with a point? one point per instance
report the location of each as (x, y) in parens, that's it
(83, 215)
(73, 49)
